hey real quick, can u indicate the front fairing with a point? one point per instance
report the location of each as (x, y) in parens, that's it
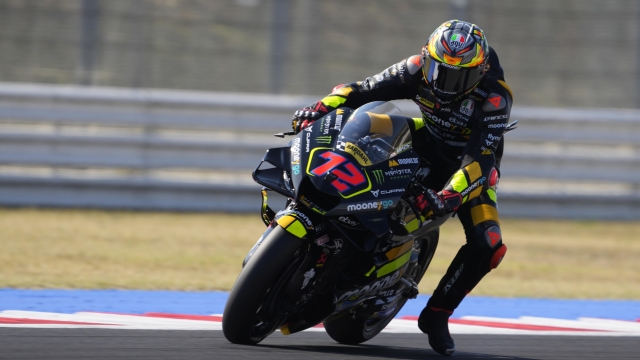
(356, 165)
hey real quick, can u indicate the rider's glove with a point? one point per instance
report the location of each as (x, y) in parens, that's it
(433, 205)
(306, 116)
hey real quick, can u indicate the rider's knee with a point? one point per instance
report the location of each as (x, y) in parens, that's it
(497, 257)
(488, 240)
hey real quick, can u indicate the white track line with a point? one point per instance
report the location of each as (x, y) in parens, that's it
(596, 327)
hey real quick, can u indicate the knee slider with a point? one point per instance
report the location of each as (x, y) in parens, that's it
(494, 179)
(497, 257)
(493, 236)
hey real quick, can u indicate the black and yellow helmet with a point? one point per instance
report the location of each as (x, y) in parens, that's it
(455, 59)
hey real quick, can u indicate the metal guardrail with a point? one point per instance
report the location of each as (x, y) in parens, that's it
(73, 146)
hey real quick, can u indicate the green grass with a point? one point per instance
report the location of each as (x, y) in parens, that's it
(204, 251)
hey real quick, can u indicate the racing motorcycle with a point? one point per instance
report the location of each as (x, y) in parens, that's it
(349, 248)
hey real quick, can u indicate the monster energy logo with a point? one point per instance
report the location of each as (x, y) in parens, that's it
(323, 139)
(379, 176)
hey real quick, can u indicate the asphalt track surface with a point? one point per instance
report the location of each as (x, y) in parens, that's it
(22, 343)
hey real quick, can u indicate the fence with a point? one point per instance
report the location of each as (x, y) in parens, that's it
(70, 146)
(555, 53)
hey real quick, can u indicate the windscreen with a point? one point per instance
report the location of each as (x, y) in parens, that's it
(374, 133)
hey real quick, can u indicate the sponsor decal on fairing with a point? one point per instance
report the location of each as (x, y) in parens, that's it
(347, 221)
(295, 151)
(392, 191)
(322, 239)
(402, 148)
(368, 289)
(338, 124)
(378, 176)
(408, 161)
(398, 172)
(308, 276)
(360, 156)
(374, 205)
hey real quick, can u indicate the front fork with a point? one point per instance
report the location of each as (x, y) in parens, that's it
(268, 217)
(266, 213)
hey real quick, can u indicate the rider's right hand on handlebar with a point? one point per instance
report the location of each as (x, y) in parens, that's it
(306, 116)
(433, 205)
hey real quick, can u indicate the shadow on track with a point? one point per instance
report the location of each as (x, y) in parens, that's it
(103, 344)
(368, 350)
(386, 352)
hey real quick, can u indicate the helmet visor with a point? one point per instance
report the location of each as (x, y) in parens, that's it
(451, 80)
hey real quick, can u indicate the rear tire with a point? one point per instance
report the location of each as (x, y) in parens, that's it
(259, 284)
(349, 330)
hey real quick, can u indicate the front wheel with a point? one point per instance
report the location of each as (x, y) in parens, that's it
(253, 308)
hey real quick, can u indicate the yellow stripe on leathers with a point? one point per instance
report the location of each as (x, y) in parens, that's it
(418, 123)
(492, 195)
(459, 182)
(482, 213)
(474, 171)
(344, 91)
(293, 226)
(475, 193)
(504, 85)
(338, 97)
(334, 101)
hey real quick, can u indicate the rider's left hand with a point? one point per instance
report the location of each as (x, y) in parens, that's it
(307, 115)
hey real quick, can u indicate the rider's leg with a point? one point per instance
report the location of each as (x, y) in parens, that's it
(482, 253)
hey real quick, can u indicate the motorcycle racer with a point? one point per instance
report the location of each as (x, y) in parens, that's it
(459, 86)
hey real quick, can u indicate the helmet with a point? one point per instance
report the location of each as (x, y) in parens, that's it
(455, 59)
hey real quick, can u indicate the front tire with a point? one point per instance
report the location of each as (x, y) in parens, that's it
(246, 318)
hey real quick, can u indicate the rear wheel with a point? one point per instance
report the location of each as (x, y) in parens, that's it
(353, 329)
(255, 308)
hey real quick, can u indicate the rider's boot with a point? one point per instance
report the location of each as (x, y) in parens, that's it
(468, 267)
(435, 323)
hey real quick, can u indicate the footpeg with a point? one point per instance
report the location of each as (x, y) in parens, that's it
(411, 288)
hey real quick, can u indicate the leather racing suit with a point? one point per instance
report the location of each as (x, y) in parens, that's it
(463, 142)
